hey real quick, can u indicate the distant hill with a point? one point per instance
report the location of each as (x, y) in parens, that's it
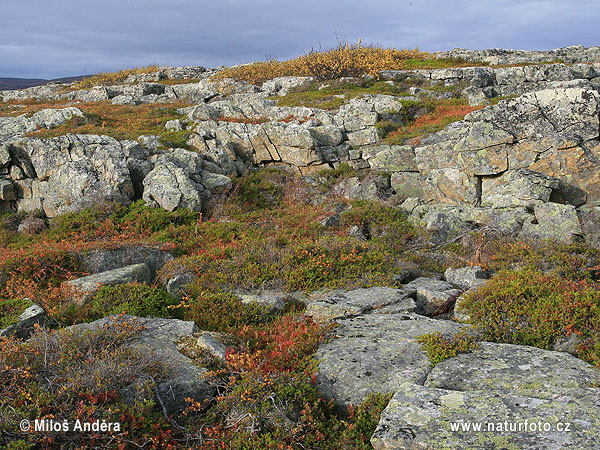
(22, 83)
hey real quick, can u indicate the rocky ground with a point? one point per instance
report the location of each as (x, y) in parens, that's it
(430, 237)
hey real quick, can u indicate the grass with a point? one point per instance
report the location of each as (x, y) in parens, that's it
(121, 122)
(110, 78)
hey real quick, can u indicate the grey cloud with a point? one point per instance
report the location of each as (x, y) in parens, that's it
(62, 37)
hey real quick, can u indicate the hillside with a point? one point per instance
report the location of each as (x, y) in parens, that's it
(23, 83)
(360, 248)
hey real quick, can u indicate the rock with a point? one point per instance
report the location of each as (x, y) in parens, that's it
(7, 190)
(174, 125)
(272, 303)
(178, 282)
(216, 183)
(431, 293)
(343, 304)
(407, 185)
(77, 171)
(475, 96)
(102, 260)
(32, 316)
(32, 225)
(83, 289)
(553, 221)
(490, 385)
(391, 158)
(184, 379)
(459, 313)
(282, 85)
(466, 278)
(210, 343)
(372, 188)
(521, 187)
(169, 187)
(375, 353)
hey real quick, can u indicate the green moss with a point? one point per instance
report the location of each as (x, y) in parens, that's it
(439, 348)
(10, 310)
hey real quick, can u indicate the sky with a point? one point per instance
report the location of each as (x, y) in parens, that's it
(56, 38)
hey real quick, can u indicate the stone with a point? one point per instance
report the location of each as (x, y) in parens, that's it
(431, 293)
(407, 185)
(7, 190)
(178, 282)
(521, 187)
(174, 125)
(490, 385)
(170, 187)
(553, 221)
(466, 278)
(26, 323)
(103, 260)
(78, 171)
(270, 302)
(83, 289)
(391, 158)
(159, 337)
(210, 343)
(343, 304)
(375, 353)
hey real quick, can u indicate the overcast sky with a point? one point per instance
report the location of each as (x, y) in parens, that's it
(55, 38)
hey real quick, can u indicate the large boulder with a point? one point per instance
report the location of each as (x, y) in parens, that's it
(76, 171)
(553, 132)
(170, 187)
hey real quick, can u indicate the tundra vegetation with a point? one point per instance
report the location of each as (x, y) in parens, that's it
(269, 231)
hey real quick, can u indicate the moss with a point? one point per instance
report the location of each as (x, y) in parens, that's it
(10, 310)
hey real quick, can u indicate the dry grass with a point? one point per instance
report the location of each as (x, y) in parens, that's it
(343, 61)
(120, 121)
(108, 78)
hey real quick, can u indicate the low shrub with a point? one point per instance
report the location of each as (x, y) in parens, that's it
(529, 307)
(64, 376)
(440, 347)
(132, 298)
(11, 309)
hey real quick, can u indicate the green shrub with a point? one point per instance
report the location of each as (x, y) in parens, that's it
(529, 307)
(134, 299)
(11, 309)
(439, 347)
(261, 189)
(220, 311)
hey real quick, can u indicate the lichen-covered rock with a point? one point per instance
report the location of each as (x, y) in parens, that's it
(102, 260)
(431, 293)
(376, 353)
(341, 304)
(82, 289)
(496, 385)
(25, 325)
(554, 221)
(75, 171)
(466, 278)
(521, 187)
(170, 187)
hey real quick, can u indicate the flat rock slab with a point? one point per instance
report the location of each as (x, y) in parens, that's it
(84, 288)
(376, 353)
(423, 418)
(342, 304)
(516, 369)
(492, 387)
